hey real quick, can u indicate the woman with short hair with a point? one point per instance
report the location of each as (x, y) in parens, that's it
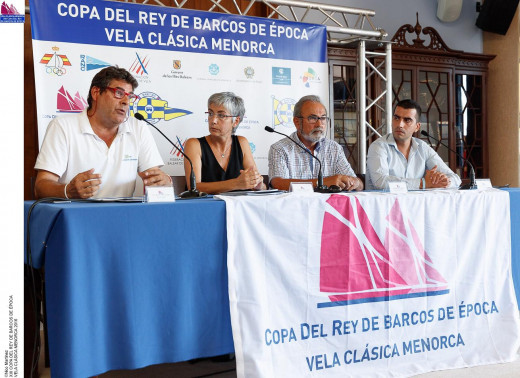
(222, 161)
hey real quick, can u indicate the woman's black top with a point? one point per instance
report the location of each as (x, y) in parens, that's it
(211, 170)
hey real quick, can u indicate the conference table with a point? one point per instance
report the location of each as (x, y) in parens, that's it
(134, 284)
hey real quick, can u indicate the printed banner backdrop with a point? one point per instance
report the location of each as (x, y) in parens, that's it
(179, 57)
(370, 284)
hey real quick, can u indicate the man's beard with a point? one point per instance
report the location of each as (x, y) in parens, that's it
(314, 136)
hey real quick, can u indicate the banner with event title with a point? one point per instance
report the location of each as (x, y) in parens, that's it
(179, 57)
(370, 284)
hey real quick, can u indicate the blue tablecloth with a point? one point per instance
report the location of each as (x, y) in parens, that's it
(514, 200)
(134, 284)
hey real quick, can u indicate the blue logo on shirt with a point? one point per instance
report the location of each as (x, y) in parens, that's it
(127, 157)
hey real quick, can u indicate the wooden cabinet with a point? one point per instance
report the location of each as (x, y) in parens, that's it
(449, 85)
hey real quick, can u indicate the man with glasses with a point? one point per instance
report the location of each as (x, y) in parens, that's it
(99, 152)
(398, 156)
(289, 163)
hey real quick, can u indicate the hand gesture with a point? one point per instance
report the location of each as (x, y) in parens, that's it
(249, 179)
(435, 179)
(343, 181)
(84, 185)
(155, 177)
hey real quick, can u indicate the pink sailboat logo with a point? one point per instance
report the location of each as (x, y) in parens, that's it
(9, 14)
(356, 267)
(68, 104)
(8, 9)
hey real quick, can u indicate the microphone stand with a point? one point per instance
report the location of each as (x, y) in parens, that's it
(320, 187)
(193, 192)
(472, 184)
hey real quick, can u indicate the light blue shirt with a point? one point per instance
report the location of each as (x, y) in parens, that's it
(288, 161)
(386, 163)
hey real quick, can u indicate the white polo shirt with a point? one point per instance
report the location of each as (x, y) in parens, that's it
(70, 147)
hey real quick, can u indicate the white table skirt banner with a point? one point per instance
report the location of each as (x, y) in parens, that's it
(370, 284)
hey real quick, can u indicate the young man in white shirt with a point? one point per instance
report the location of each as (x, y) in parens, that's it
(398, 156)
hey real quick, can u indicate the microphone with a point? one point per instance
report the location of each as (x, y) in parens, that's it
(472, 184)
(320, 188)
(193, 192)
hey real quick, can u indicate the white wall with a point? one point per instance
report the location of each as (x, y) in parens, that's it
(461, 34)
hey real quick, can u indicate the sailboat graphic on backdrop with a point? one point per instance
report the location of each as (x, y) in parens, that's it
(8, 9)
(65, 103)
(356, 267)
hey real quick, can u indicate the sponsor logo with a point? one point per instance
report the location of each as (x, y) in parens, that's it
(357, 267)
(281, 75)
(283, 112)
(176, 158)
(213, 69)
(88, 63)
(66, 103)
(174, 152)
(55, 63)
(176, 73)
(154, 109)
(249, 76)
(249, 72)
(139, 68)
(310, 77)
(214, 74)
(139, 65)
(9, 14)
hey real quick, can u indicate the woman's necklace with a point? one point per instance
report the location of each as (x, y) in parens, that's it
(222, 154)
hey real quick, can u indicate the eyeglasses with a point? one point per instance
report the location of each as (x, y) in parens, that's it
(218, 115)
(119, 93)
(312, 119)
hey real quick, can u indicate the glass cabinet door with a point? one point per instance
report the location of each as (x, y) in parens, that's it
(461, 128)
(433, 97)
(469, 121)
(452, 106)
(401, 85)
(431, 90)
(345, 111)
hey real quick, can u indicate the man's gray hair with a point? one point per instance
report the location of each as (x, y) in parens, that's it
(298, 107)
(233, 103)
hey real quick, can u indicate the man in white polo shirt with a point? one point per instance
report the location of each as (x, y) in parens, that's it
(99, 152)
